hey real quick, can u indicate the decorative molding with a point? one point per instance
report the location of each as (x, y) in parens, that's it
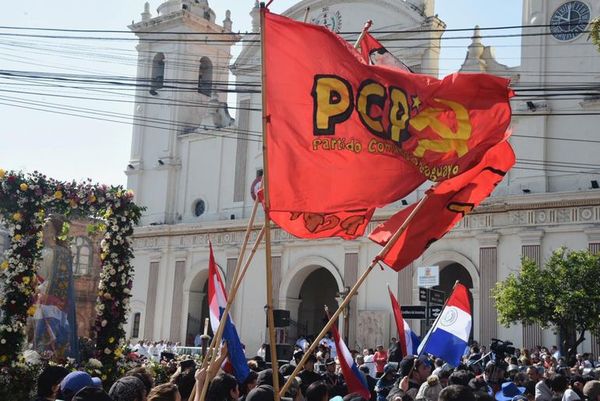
(531, 238)
(488, 240)
(499, 215)
(593, 235)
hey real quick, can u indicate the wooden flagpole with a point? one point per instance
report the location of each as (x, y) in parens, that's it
(352, 292)
(426, 339)
(213, 349)
(366, 27)
(267, 205)
(243, 248)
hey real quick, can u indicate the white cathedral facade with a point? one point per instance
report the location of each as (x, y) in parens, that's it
(195, 178)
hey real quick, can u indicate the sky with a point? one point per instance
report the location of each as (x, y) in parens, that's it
(45, 132)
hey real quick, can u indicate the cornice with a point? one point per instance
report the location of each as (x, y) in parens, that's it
(579, 211)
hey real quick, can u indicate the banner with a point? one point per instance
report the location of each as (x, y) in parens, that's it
(446, 205)
(343, 136)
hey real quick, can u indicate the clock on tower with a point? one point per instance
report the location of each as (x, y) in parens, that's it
(569, 20)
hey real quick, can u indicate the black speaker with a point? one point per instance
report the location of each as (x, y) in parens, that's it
(281, 317)
(285, 352)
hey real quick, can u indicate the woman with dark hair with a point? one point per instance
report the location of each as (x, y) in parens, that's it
(48, 384)
(317, 392)
(223, 387)
(164, 392)
(248, 385)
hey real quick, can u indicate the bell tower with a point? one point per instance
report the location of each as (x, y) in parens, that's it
(182, 74)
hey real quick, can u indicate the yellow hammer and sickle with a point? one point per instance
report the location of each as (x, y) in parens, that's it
(450, 140)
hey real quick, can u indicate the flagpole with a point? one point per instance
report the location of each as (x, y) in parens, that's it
(306, 13)
(267, 206)
(437, 318)
(363, 33)
(243, 248)
(352, 292)
(213, 349)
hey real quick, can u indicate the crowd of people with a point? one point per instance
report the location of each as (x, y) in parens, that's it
(540, 374)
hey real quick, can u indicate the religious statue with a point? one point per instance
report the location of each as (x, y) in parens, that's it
(55, 328)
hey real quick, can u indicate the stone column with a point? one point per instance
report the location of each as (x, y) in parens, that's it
(177, 301)
(488, 273)
(350, 277)
(276, 269)
(531, 248)
(151, 299)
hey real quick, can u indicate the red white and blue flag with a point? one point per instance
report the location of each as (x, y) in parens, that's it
(406, 337)
(355, 380)
(449, 336)
(217, 301)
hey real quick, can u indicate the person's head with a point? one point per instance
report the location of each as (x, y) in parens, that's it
(438, 363)
(592, 390)
(309, 365)
(317, 392)
(128, 388)
(293, 391)
(142, 374)
(165, 392)
(249, 383)
(389, 371)
(49, 381)
(534, 374)
(559, 383)
(422, 369)
(456, 393)
(298, 355)
(379, 348)
(91, 394)
(577, 382)
(185, 383)
(460, 377)
(430, 390)
(330, 365)
(223, 387)
(75, 381)
(360, 360)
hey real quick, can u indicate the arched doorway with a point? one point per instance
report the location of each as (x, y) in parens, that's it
(197, 308)
(318, 289)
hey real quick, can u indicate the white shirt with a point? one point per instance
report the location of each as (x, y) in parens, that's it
(370, 362)
(570, 395)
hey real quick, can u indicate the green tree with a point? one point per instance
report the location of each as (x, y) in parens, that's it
(564, 295)
(595, 32)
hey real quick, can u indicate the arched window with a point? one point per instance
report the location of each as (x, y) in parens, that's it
(199, 208)
(81, 248)
(135, 328)
(158, 73)
(205, 76)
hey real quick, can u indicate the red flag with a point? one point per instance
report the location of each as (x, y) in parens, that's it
(343, 136)
(399, 322)
(375, 53)
(446, 204)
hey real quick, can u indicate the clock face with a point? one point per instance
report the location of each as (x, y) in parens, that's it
(330, 19)
(569, 20)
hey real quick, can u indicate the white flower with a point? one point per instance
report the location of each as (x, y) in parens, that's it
(32, 357)
(103, 323)
(94, 363)
(107, 351)
(3, 341)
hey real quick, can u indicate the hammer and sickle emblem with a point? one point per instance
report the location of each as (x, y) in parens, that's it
(462, 208)
(450, 140)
